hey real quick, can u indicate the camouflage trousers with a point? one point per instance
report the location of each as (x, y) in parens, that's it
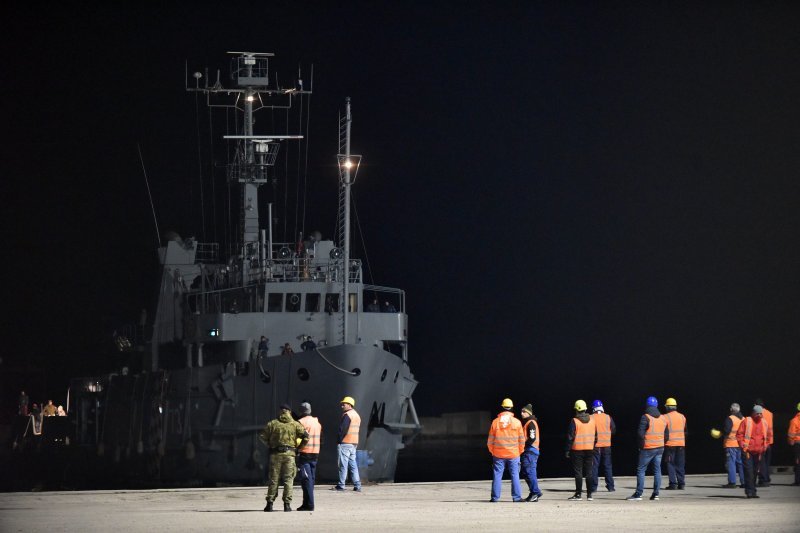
(281, 469)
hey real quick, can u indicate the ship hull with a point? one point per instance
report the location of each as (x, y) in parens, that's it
(200, 425)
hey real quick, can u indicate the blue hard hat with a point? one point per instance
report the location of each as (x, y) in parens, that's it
(652, 402)
(597, 403)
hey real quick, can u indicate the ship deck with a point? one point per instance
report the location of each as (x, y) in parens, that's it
(448, 506)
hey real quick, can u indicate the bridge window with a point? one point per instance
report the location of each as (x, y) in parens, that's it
(331, 303)
(293, 302)
(312, 303)
(275, 302)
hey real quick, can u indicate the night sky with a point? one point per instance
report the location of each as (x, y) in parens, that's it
(581, 199)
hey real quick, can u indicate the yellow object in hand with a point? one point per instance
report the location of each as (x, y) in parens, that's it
(299, 440)
(716, 433)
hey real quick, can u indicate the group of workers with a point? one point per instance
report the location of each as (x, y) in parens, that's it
(288, 439)
(514, 444)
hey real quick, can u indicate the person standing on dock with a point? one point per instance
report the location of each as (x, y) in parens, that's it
(307, 456)
(581, 438)
(764, 478)
(675, 447)
(793, 436)
(506, 443)
(732, 451)
(24, 401)
(283, 436)
(653, 433)
(349, 428)
(530, 457)
(602, 448)
(753, 435)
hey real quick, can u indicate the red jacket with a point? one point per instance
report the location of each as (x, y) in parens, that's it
(753, 435)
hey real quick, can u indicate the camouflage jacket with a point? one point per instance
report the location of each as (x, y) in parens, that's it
(281, 434)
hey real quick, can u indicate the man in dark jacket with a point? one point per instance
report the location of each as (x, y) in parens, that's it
(653, 433)
(530, 457)
(283, 436)
(581, 438)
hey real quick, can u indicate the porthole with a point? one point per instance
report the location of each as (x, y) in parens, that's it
(356, 371)
(383, 376)
(303, 374)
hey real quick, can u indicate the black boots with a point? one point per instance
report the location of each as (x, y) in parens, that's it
(287, 508)
(268, 508)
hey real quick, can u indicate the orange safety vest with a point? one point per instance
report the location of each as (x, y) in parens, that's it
(314, 430)
(506, 437)
(676, 423)
(730, 438)
(535, 443)
(794, 430)
(654, 436)
(355, 425)
(585, 435)
(603, 423)
(767, 417)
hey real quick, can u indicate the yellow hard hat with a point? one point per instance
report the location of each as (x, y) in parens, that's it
(348, 399)
(671, 402)
(716, 433)
(580, 405)
(507, 404)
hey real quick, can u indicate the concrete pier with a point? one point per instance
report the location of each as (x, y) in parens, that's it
(451, 506)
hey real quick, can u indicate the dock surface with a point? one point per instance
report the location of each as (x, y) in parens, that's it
(448, 506)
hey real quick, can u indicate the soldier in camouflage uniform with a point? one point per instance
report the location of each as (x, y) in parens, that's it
(283, 436)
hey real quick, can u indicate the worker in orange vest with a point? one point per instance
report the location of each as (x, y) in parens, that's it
(753, 435)
(732, 451)
(793, 436)
(506, 443)
(530, 457)
(653, 434)
(349, 429)
(308, 455)
(675, 447)
(602, 449)
(581, 438)
(764, 478)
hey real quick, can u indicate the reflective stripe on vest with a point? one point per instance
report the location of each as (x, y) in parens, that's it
(535, 442)
(730, 438)
(584, 435)
(603, 423)
(676, 423)
(748, 431)
(355, 425)
(654, 436)
(314, 430)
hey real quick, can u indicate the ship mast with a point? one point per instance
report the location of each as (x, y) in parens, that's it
(256, 154)
(348, 168)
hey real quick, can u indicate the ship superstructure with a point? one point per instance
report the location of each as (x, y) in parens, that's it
(207, 384)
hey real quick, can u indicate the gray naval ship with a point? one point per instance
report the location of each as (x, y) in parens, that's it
(207, 384)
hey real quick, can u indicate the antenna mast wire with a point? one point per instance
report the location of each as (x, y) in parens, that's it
(149, 195)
